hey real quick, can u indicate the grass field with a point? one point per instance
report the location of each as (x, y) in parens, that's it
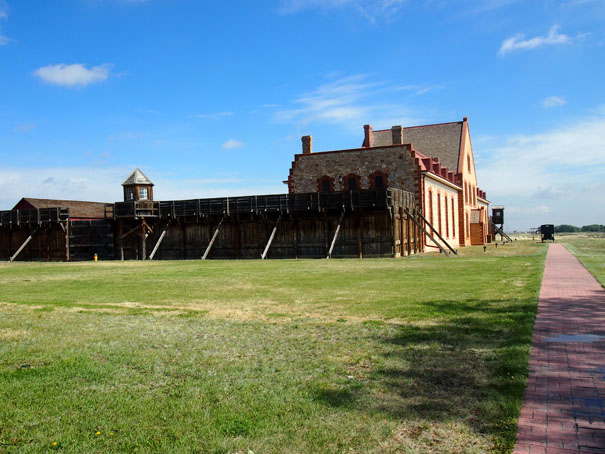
(416, 355)
(590, 250)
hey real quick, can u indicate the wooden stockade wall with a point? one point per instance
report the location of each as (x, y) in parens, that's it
(372, 224)
(46, 228)
(54, 236)
(369, 223)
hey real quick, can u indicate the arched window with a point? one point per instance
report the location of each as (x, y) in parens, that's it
(352, 182)
(378, 180)
(325, 184)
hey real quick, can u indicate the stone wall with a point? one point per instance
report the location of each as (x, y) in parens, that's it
(395, 163)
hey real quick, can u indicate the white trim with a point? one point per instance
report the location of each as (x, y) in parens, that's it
(442, 180)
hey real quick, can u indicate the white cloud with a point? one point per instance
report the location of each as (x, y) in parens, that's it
(371, 9)
(73, 75)
(92, 184)
(561, 169)
(3, 17)
(102, 184)
(554, 101)
(232, 143)
(518, 42)
(349, 101)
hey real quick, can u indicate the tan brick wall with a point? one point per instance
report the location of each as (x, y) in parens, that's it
(439, 193)
(468, 199)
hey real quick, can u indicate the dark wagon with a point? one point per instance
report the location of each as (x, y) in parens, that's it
(548, 232)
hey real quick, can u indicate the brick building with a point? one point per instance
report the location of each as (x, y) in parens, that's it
(434, 162)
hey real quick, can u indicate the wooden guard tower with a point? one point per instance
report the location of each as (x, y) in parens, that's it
(498, 222)
(138, 206)
(137, 187)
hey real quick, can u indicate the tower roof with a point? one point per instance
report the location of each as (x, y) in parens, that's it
(137, 177)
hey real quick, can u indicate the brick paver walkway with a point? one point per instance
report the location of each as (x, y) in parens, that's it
(564, 408)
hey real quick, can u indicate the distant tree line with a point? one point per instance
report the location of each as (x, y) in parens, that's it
(564, 228)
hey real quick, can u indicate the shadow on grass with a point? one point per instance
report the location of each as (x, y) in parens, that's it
(469, 366)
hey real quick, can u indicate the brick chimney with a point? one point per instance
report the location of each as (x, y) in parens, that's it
(367, 139)
(397, 133)
(307, 144)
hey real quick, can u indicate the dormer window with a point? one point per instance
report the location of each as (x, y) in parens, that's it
(143, 193)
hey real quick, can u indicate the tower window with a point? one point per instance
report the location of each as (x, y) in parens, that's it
(129, 193)
(143, 193)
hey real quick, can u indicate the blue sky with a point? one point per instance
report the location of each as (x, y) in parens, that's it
(211, 98)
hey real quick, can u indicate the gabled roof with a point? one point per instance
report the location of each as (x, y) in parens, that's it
(436, 141)
(77, 208)
(137, 177)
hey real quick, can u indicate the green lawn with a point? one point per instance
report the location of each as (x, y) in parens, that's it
(416, 355)
(590, 250)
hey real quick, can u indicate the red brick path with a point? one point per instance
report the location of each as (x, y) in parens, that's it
(564, 405)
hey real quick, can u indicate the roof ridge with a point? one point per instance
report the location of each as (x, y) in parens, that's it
(434, 124)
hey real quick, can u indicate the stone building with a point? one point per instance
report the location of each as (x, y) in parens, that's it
(434, 162)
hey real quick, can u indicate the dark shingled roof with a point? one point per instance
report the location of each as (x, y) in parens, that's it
(137, 177)
(77, 209)
(437, 141)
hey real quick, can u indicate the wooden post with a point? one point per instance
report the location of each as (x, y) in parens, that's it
(327, 232)
(29, 238)
(407, 232)
(67, 240)
(48, 235)
(437, 233)
(236, 245)
(335, 236)
(183, 232)
(295, 235)
(157, 245)
(264, 254)
(441, 248)
(121, 243)
(218, 227)
(360, 234)
(401, 232)
(143, 241)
